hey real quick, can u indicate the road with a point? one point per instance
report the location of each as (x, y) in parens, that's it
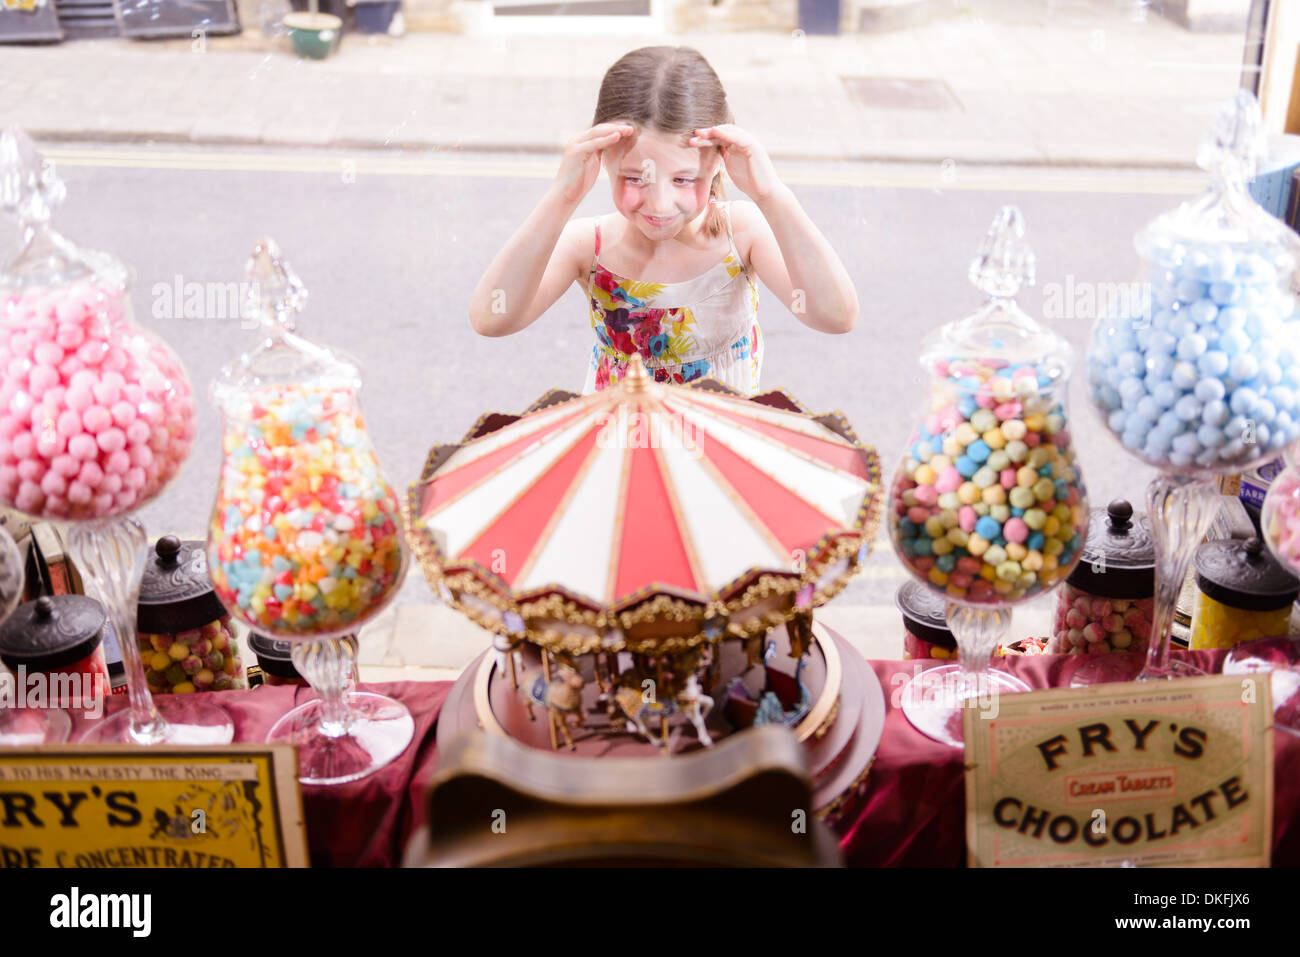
(390, 250)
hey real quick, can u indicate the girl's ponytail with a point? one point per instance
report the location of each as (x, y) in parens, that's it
(715, 221)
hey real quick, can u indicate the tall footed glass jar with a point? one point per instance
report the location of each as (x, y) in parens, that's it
(988, 504)
(1201, 375)
(305, 541)
(96, 418)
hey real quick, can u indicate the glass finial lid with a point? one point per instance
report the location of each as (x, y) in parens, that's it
(29, 190)
(1225, 213)
(1000, 330)
(275, 298)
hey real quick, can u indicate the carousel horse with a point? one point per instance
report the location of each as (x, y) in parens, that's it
(562, 694)
(696, 705)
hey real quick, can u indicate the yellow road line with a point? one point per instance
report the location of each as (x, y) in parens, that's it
(948, 177)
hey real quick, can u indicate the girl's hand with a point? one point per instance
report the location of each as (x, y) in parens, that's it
(582, 158)
(747, 163)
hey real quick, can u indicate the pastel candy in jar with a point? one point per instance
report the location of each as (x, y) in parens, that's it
(1107, 603)
(989, 501)
(1280, 518)
(307, 531)
(1197, 368)
(96, 416)
(305, 538)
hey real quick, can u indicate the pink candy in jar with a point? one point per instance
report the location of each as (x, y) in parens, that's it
(96, 417)
(1107, 602)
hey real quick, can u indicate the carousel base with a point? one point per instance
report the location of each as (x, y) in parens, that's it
(841, 729)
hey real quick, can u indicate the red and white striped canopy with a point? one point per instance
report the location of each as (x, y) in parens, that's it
(645, 489)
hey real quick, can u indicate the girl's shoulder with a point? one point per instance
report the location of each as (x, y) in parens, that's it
(747, 223)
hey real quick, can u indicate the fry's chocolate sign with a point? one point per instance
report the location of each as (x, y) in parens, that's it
(1161, 773)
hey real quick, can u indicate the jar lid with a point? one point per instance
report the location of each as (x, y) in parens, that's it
(51, 633)
(29, 190)
(1244, 575)
(925, 614)
(274, 656)
(1119, 558)
(176, 592)
(1000, 334)
(282, 358)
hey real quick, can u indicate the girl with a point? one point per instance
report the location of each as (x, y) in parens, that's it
(670, 276)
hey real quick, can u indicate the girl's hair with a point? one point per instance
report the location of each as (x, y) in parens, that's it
(671, 90)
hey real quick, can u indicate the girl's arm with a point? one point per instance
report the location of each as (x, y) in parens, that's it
(531, 272)
(796, 262)
(545, 255)
(789, 253)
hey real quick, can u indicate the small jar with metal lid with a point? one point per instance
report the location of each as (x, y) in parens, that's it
(275, 661)
(925, 623)
(186, 638)
(1108, 600)
(1242, 593)
(59, 636)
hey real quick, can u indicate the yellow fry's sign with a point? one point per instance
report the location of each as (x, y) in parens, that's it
(81, 806)
(1161, 772)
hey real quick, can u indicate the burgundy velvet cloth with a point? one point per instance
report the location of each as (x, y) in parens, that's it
(365, 823)
(913, 814)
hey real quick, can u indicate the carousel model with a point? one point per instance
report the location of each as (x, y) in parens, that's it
(648, 559)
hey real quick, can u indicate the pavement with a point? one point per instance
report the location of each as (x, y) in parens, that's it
(994, 83)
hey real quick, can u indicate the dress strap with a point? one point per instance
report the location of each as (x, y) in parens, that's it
(731, 240)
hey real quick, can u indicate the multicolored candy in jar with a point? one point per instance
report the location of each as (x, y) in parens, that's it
(989, 502)
(186, 639)
(305, 538)
(1107, 603)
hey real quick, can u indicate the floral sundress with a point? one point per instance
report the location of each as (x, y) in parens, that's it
(706, 326)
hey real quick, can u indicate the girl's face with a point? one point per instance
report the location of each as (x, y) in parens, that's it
(660, 184)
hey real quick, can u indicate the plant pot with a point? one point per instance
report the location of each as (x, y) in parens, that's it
(375, 16)
(314, 35)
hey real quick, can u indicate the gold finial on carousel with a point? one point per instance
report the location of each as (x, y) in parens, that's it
(637, 378)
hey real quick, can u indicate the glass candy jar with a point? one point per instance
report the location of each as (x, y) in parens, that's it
(1107, 602)
(1202, 372)
(305, 538)
(1198, 373)
(185, 635)
(1242, 594)
(305, 541)
(96, 415)
(988, 506)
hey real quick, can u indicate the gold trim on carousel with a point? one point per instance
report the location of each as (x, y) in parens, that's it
(487, 719)
(815, 723)
(834, 809)
(566, 610)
